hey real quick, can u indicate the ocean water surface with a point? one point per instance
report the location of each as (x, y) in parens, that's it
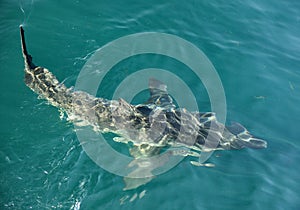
(255, 49)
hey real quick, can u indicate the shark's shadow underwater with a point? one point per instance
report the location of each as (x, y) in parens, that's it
(149, 127)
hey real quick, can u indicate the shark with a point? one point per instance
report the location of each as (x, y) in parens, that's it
(149, 127)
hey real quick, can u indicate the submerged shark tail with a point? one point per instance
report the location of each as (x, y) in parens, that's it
(42, 81)
(27, 58)
(244, 138)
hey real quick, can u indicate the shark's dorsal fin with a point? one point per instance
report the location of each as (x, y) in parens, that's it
(159, 95)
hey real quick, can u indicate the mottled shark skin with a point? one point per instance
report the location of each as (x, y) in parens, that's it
(150, 126)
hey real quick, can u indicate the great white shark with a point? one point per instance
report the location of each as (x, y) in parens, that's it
(149, 127)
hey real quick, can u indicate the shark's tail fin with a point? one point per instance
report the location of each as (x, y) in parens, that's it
(244, 138)
(27, 58)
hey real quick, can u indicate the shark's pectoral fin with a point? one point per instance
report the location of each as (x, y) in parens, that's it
(142, 165)
(197, 163)
(140, 174)
(133, 183)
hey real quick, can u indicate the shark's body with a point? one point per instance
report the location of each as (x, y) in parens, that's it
(149, 126)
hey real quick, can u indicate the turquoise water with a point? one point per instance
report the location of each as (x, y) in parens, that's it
(255, 48)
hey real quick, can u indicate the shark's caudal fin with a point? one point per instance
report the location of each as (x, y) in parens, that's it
(244, 138)
(27, 58)
(42, 81)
